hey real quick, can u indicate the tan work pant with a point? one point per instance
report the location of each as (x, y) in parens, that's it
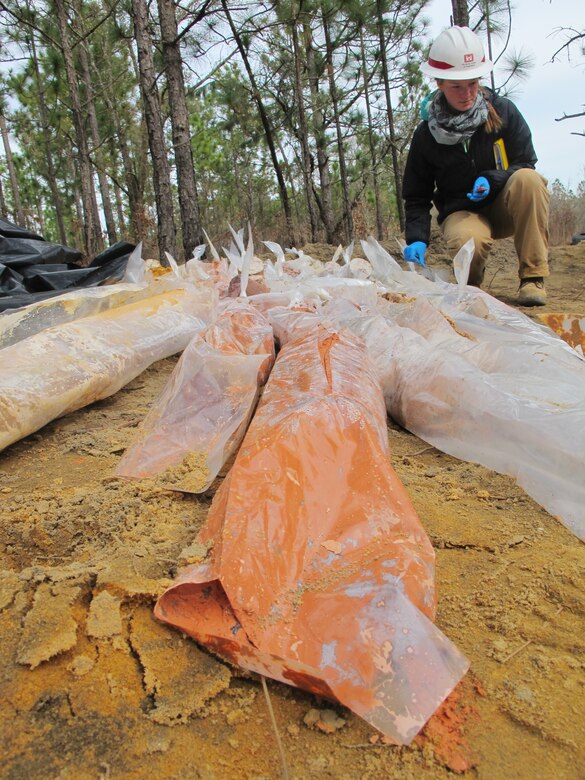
(520, 210)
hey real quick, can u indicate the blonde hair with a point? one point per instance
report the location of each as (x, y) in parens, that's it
(494, 121)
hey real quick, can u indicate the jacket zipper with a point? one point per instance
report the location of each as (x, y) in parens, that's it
(466, 148)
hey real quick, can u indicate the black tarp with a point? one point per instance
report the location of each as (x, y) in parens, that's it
(32, 269)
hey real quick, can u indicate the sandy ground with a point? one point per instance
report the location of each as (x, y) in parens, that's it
(93, 687)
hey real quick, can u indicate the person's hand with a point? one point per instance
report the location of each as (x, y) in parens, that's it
(481, 189)
(415, 252)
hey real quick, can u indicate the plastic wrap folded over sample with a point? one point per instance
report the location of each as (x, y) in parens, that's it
(69, 366)
(201, 416)
(18, 324)
(510, 396)
(319, 573)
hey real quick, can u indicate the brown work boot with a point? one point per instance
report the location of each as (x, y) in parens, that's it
(532, 292)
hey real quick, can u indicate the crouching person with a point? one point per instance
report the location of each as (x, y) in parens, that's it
(472, 155)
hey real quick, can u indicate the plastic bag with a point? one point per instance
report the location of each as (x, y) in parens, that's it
(503, 393)
(138, 283)
(199, 420)
(474, 377)
(32, 269)
(319, 573)
(18, 324)
(64, 368)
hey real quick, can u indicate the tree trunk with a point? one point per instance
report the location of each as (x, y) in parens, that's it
(167, 237)
(96, 143)
(40, 212)
(266, 125)
(237, 182)
(347, 217)
(303, 133)
(114, 164)
(18, 212)
(3, 212)
(460, 13)
(120, 210)
(325, 201)
(78, 228)
(371, 143)
(390, 113)
(190, 217)
(286, 171)
(91, 223)
(133, 184)
(46, 133)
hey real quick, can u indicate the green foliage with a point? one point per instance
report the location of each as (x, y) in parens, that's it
(235, 175)
(492, 20)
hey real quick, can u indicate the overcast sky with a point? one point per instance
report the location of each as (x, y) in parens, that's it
(552, 89)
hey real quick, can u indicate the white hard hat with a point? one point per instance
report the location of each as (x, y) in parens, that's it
(457, 54)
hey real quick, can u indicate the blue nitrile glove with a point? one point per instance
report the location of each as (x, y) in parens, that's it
(481, 189)
(415, 252)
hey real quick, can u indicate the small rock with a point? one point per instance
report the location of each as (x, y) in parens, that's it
(327, 721)
(237, 716)
(81, 664)
(524, 693)
(194, 553)
(104, 618)
(318, 764)
(158, 744)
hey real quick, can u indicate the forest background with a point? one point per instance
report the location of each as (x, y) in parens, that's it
(123, 119)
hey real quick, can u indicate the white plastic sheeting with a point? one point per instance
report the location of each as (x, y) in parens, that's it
(199, 420)
(469, 374)
(66, 367)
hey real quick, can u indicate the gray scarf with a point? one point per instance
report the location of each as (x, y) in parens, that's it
(452, 128)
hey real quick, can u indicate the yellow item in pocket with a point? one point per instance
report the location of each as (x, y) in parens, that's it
(500, 155)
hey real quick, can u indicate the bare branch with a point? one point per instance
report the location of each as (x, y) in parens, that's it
(570, 116)
(578, 36)
(212, 72)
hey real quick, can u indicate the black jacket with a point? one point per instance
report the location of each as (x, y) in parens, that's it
(445, 174)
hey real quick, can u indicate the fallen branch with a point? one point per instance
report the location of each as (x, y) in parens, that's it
(516, 651)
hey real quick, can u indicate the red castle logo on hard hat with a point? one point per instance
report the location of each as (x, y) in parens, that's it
(468, 58)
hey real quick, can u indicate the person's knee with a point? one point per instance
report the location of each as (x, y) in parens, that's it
(482, 242)
(528, 182)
